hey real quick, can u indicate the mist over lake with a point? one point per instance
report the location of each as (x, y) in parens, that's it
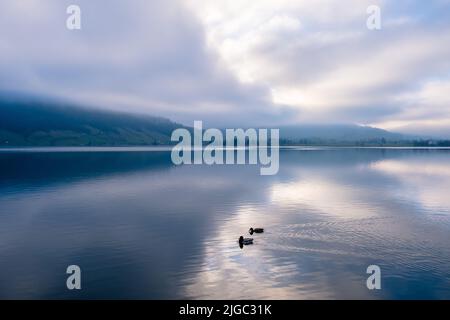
(140, 227)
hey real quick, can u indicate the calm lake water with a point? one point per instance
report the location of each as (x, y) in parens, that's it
(140, 227)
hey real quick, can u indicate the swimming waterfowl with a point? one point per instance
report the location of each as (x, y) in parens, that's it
(243, 240)
(256, 230)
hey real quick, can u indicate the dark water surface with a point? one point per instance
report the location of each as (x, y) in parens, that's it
(140, 227)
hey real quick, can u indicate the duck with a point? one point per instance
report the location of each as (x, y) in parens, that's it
(245, 241)
(256, 230)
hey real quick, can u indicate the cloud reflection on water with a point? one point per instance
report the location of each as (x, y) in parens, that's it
(171, 232)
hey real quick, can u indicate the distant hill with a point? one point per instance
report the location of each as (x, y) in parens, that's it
(39, 122)
(339, 134)
(33, 122)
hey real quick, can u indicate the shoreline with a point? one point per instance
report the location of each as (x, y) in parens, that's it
(169, 148)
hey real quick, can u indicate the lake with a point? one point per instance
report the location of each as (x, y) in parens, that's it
(140, 227)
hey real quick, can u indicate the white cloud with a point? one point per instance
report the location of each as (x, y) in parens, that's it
(320, 59)
(136, 55)
(236, 62)
(426, 109)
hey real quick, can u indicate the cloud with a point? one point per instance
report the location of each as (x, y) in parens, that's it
(425, 109)
(327, 65)
(134, 55)
(237, 63)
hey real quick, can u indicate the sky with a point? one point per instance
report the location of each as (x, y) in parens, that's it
(238, 63)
